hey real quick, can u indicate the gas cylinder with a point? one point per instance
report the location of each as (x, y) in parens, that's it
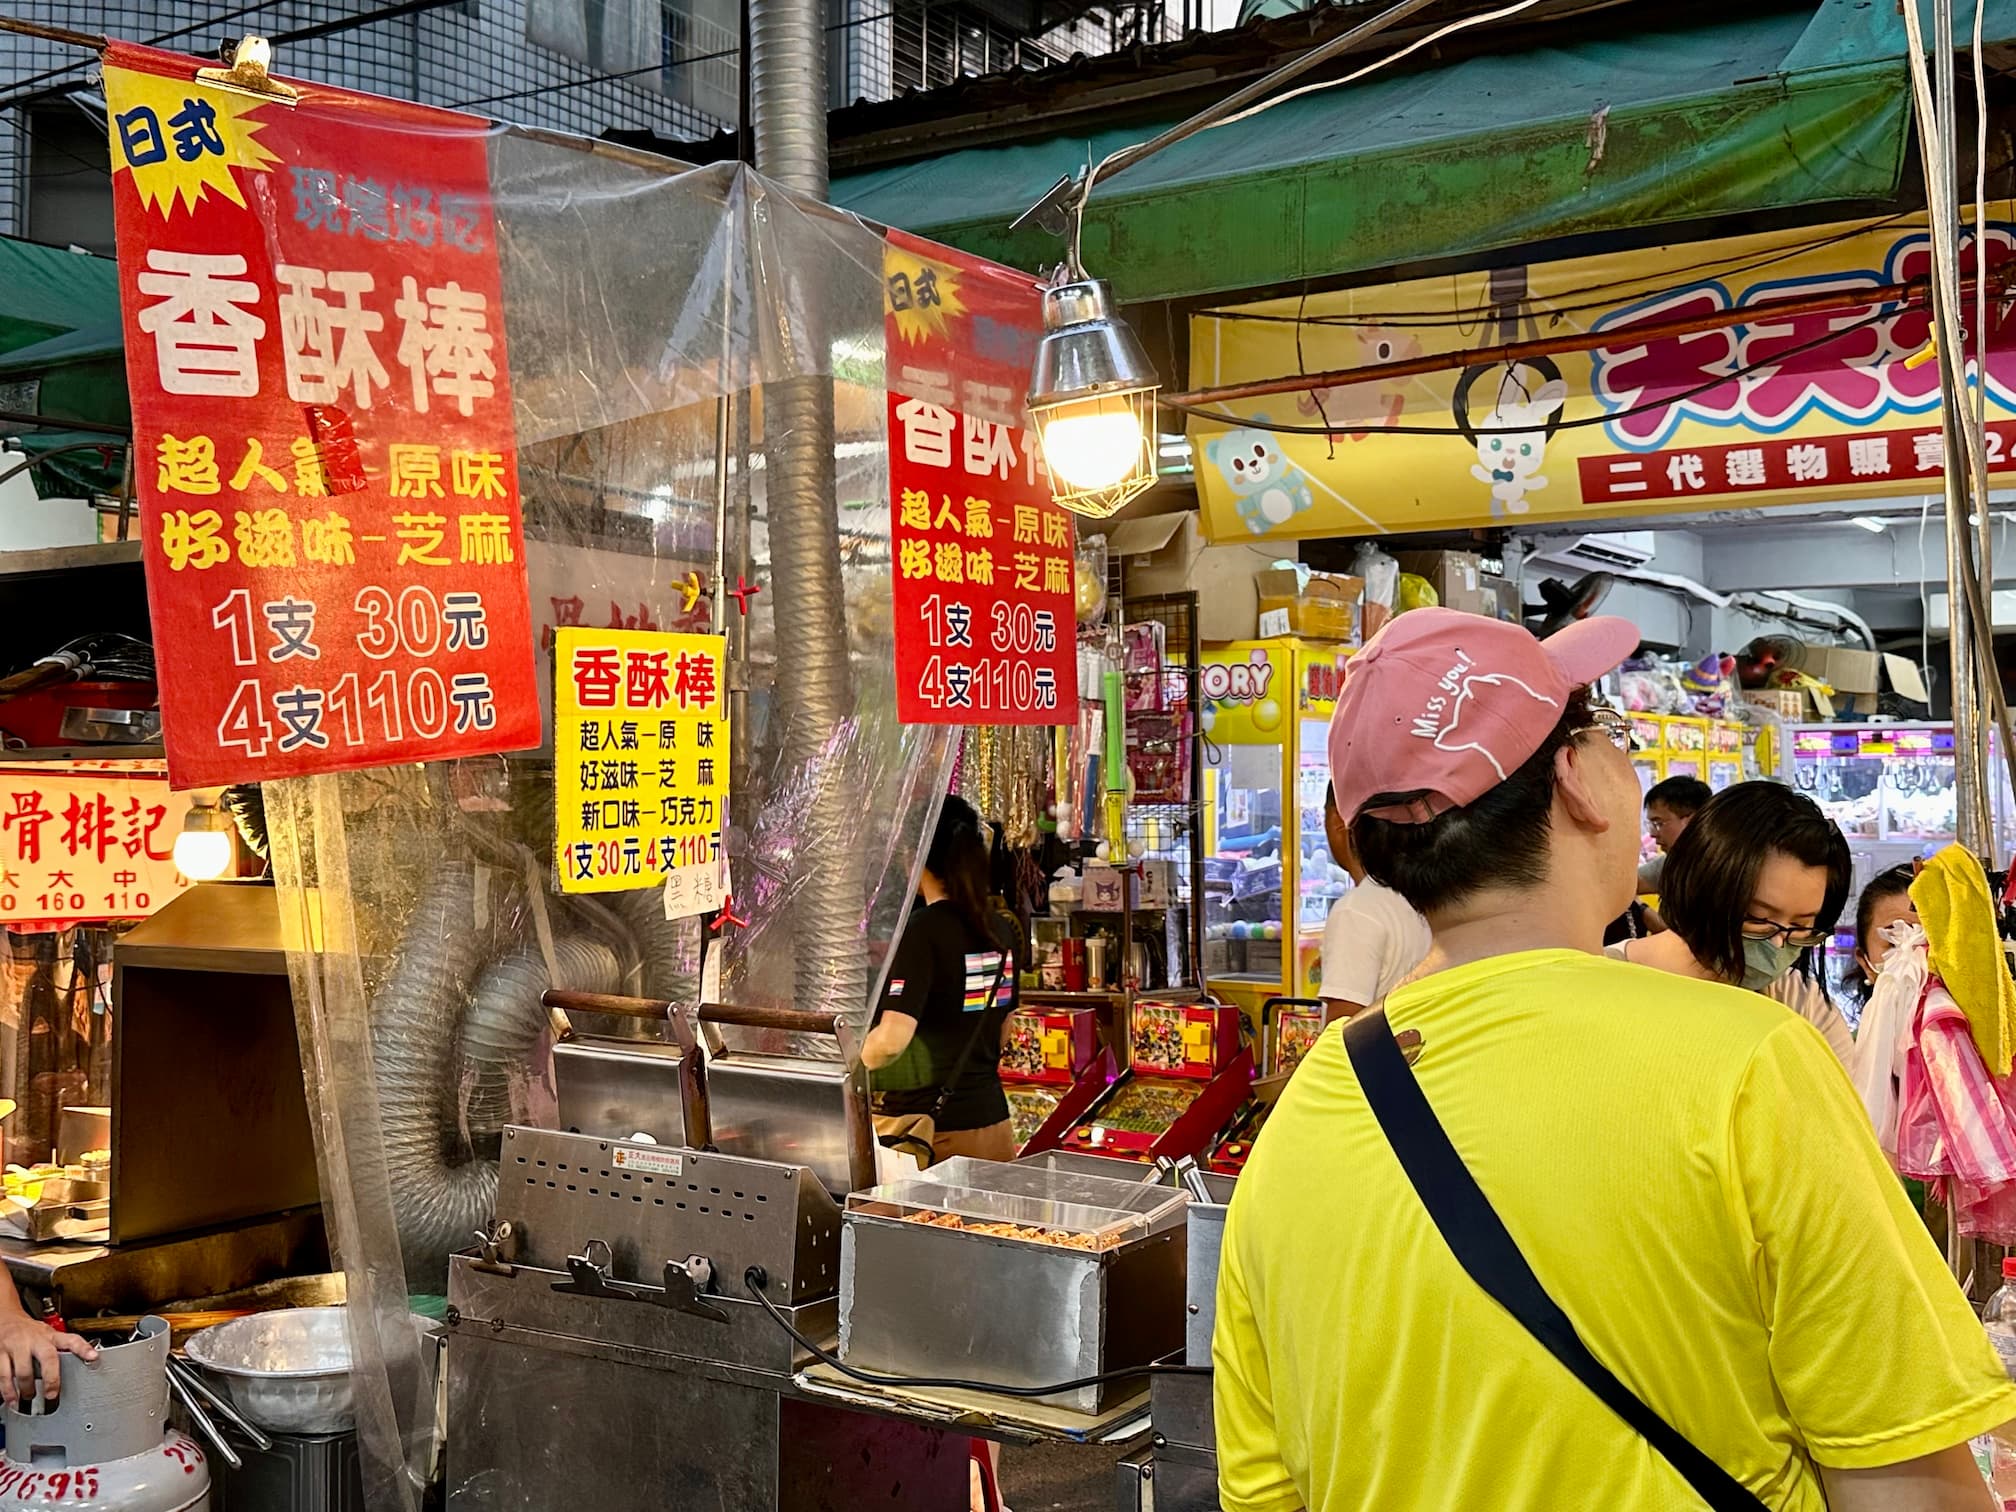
(107, 1444)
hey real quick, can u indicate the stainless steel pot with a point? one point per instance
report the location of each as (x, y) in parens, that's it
(288, 1371)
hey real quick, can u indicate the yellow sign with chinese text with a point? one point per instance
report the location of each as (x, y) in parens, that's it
(1668, 410)
(640, 764)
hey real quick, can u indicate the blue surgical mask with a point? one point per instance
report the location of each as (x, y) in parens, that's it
(1765, 961)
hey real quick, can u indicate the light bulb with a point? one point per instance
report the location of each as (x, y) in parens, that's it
(202, 855)
(1093, 444)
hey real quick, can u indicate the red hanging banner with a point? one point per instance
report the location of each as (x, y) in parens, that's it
(986, 628)
(323, 439)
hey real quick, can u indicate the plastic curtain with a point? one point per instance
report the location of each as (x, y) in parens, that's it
(647, 312)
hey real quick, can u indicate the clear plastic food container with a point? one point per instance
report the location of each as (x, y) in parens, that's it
(1025, 1204)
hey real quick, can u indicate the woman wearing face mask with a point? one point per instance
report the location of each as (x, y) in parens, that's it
(1885, 901)
(1751, 887)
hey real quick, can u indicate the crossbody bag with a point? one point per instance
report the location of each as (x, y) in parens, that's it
(913, 1133)
(1483, 1246)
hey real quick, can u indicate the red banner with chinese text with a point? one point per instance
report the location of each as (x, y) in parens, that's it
(981, 558)
(79, 845)
(324, 447)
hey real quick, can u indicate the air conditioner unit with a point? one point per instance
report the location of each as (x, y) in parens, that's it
(2001, 611)
(1605, 551)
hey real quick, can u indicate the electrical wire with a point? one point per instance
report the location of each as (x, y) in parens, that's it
(1620, 290)
(1650, 406)
(1084, 194)
(755, 1277)
(21, 91)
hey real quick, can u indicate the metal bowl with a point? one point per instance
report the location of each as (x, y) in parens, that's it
(288, 1371)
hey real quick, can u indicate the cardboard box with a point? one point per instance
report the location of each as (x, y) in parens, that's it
(1456, 576)
(1786, 703)
(1507, 606)
(1844, 669)
(1168, 554)
(1326, 607)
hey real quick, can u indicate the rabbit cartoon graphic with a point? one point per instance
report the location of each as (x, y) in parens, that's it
(1511, 437)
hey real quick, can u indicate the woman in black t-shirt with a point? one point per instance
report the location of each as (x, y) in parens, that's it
(948, 958)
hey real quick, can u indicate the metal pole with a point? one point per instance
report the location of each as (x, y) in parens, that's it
(1757, 312)
(1969, 734)
(787, 87)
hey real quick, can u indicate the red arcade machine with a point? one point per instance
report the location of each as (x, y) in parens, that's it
(1048, 1056)
(1293, 1026)
(1189, 1072)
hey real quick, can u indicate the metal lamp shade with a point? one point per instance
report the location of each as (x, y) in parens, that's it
(1089, 363)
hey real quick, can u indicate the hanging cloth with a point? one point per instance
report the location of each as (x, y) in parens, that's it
(1956, 1126)
(1875, 1065)
(1959, 916)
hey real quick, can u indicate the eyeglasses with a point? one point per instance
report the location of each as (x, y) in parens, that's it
(1801, 935)
(1612, 726)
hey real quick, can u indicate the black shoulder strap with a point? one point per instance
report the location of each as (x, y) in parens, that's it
(972, 1040)
(1482, 1246)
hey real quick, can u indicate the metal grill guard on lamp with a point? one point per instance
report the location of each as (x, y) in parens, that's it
(1092, 397)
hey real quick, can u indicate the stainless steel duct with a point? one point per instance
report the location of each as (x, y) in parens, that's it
(447, 966)
(814, 682)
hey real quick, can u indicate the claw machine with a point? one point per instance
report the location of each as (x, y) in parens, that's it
(1686, 746)
(1725, 753)
(1648, 750)
(1269, 879)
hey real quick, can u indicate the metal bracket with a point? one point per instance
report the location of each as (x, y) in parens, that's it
(685, 1285)
(491, 1249)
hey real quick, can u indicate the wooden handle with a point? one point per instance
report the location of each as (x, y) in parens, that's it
(795, 1020)
(608, 1002)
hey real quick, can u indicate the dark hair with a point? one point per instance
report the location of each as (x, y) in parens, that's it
(958, 859)
(1711, 871)
(1894, 883)
(1498, 841)
(1685, 796)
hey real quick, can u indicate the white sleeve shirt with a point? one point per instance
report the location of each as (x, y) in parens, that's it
(1371, 941)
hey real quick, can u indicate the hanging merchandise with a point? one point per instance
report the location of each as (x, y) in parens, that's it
(1955, 1131)
(1876, 1068)
(1090, 574)
(1960, 916)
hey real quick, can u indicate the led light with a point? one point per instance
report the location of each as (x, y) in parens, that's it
(1869, 523)
(203, 851)
(1092, 397)
(1092, 445)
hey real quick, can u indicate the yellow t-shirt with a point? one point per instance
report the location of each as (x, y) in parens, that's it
(1691, 1177)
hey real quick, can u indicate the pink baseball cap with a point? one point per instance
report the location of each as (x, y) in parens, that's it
(1451, 704)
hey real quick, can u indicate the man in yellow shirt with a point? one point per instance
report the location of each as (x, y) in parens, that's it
(1683, 1165)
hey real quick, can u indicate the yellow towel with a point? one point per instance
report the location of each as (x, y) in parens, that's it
(1959, 915)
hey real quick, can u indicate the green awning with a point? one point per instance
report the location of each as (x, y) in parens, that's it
(79, 376)
(47, 291)
(1769, 112)
(73, 464)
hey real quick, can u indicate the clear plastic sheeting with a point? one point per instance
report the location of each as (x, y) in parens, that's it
(658, 323)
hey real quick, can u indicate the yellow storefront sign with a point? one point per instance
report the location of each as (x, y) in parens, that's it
(1668, 412)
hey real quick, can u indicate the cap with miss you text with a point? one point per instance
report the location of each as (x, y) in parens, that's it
(1449, 705)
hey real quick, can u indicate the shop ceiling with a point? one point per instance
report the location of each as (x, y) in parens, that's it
(1580, 131)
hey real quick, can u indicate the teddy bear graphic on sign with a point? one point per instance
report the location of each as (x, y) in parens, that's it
(1270, 490)
(1511, 436)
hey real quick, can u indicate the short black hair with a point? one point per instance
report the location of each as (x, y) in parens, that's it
(1711, 871)
(1498, 841)
(1685, 796)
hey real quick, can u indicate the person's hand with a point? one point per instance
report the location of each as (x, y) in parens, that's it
(25, 1347)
